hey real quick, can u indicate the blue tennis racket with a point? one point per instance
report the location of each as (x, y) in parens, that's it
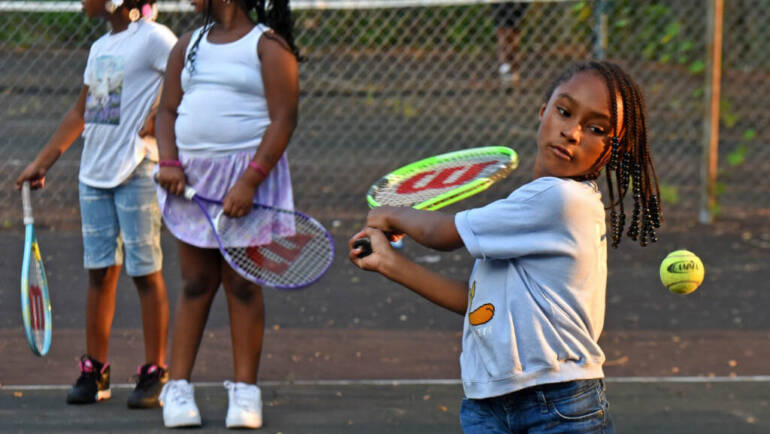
(270, 246)
(35, 301)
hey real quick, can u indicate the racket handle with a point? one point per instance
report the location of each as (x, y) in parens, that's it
(365, 245)
(189, 192)
(26, 203)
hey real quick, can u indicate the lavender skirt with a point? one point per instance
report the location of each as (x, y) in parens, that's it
(212, 178)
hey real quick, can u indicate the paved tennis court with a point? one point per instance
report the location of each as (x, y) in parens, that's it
(378, 408)
(675, 364)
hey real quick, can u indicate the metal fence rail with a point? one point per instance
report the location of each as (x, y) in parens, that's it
(383, 86)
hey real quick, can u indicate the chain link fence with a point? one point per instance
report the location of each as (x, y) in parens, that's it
(383, 86)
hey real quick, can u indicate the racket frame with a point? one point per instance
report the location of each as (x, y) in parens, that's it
(191, 194)
(447, 198)
(29, 309)
(461, 192)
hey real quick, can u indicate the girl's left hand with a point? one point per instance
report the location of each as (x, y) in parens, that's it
(239, 200)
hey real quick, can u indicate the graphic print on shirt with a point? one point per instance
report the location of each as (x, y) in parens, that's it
(482, 314)
(104, 91)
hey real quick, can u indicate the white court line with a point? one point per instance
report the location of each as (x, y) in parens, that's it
(437, 382)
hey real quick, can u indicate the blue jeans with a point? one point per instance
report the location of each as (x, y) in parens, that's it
(126, 217)
(571, 407)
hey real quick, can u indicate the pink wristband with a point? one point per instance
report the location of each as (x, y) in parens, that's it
(170, 163)
(254, 165)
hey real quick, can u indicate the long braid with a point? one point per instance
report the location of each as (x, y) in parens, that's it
(630, 165)
(192, 54)
(278, 17)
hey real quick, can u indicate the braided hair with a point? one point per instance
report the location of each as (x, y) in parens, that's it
(630, 163)
(278, 17)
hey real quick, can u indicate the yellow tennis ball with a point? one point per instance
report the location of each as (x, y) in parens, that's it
(681, 272)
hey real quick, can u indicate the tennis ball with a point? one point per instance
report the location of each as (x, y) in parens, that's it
(681, 272)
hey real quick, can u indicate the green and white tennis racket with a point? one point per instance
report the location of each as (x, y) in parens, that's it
(435, 182)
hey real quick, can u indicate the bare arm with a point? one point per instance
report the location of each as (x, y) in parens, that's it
(447, 293)
(280, 75)
(69, 129)
(171, 178)
(430, 228)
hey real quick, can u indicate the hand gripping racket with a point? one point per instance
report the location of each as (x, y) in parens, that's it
(435, 182)
(35, 301)
(270, 246)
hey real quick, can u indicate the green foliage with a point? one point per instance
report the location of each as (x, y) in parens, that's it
(658, 29)
(697, 67)
(446, 27)
(669, 194)
(50, 28)
(749, 134)
(738, 156)
(726, 114)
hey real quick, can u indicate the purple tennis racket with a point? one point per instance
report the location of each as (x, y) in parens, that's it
(270, 246)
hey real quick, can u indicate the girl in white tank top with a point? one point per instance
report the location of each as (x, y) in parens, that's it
(227, 113)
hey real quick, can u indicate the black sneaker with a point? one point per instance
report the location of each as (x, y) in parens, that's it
(93, 384)
(150, 381)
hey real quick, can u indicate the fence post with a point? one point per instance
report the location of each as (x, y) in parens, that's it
(710, 148)
(600, 29)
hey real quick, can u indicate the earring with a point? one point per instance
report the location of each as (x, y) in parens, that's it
(134, 14)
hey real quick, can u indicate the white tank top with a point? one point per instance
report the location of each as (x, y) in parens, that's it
(223, 108)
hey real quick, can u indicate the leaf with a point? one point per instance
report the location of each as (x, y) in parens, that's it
(719, 188)
(738, 156)
(749, 134)
(697, 67)
(669, 194)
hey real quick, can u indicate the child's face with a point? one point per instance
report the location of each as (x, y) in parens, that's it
(575, 127)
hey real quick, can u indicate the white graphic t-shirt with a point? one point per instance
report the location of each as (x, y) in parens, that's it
(124, 75)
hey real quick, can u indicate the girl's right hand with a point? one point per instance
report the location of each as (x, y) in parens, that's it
(35, 174)
(382, 251)
(172, 179)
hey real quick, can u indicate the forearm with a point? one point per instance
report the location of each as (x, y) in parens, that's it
(271, 149)
(447, 293)
(164, 131)
(274, 141)
(69, 129)
(430, 228)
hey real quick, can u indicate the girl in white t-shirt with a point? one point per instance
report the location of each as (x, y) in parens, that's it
(534, 303)
(228, 110)
(119, 212)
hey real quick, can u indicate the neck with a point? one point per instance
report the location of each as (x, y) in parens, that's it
(232, 17)
(119, 20)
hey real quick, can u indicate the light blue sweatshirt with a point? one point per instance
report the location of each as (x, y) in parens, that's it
(537, 290)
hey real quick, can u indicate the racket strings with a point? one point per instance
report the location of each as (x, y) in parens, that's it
(276, 246)
(37, 305)
(438, 178)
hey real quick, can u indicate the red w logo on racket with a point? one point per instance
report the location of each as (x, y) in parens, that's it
(285, 252)
(448, 177)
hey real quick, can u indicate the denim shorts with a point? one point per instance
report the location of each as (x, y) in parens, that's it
(126, 217)
(571, 407)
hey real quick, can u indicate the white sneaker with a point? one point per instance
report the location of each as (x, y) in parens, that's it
(178, 401)
(245, 405)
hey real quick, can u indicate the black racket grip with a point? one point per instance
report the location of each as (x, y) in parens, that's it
(365, 245)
